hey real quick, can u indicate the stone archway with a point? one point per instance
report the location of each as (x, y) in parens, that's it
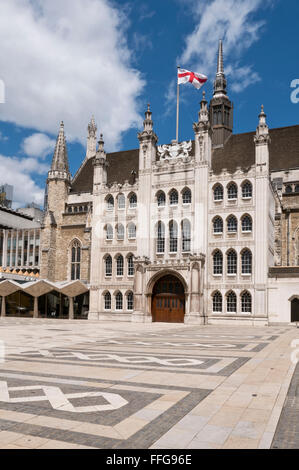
(294, 309)
(168, 300)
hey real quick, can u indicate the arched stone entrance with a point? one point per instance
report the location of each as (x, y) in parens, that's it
(168, 300)
(295, 309)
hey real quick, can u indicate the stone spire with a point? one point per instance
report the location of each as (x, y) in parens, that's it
(60, 164)
(220, 82)
(91, 139)
(203, 115)
(148, 133)
(262, 131)
(221, 108)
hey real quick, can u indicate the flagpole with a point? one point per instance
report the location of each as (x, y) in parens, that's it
(177, 107)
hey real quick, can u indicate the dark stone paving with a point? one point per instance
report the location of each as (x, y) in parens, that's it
(287, 431)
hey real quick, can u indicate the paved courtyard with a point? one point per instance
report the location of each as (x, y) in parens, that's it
(80, 384)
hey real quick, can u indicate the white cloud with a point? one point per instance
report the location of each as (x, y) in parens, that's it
(66, 61)
(230, 20)
(18, 172)
(38, 145)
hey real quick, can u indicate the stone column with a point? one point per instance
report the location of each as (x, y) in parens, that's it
(3, 306)
(71, 308)
(35, 308)
(195, 315)
(140, 314)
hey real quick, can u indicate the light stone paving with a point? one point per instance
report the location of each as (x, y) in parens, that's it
(78, 384)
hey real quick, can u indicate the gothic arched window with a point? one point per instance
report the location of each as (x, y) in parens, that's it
(120, 232)
(131, 230)
(130, 265)
(246, 303)
(161, 199)
(217, 302)
(187, 196)
(119, 301)
(246, 224)
(218, 225)
(186, 235)
(246, 259)
(120, 265)
(121, 201)
(130, 301)
(231, 302)
(232, 224)
(133, 201)
(110, 203)
(231, 262)
(160, 237)
(108, 266)
(107, 301)
(109, 232)
(232, 191)
(217, 262)
(218, 193)
(246, 190)
(75, 260)
(173, 198)
(173, 236)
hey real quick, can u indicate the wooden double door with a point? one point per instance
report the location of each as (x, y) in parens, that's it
(168, 300)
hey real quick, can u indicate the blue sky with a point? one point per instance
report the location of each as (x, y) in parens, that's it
(66, 60)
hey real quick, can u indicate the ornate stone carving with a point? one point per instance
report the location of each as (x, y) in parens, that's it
(174, 150)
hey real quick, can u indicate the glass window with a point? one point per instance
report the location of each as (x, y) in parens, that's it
(121, 201)
(246, 262)
(218, 225)
(110, 203)
(108, 266)
(218, 193)
(173, 237)
(107, 301)
(246, 224)
(160, 238)
(186, 196)
(120, 232)
(217, 262)
(133, 201)
(109, 232)
(131, 266)
(186, 236)
(120, 266)
(246, 302)
(232, 191)
(173, 198)
(232, 224)
(217, 302)
(75, 260)
(119, 301)
(231, 302)
(161, 199)
(131, 230)
(130, 301)
(231, 262)
(247, 189)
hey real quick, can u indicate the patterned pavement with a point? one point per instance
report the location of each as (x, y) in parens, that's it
(79, 384)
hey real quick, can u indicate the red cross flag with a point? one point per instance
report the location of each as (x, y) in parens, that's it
(197, 79)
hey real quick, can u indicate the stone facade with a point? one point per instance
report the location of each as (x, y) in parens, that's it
(215, 213)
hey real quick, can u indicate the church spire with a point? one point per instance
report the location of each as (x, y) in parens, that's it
(60, 164)
(221, 108)
(220, 82)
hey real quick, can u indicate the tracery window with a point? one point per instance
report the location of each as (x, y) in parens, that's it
(75, 260)
(217, 302)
